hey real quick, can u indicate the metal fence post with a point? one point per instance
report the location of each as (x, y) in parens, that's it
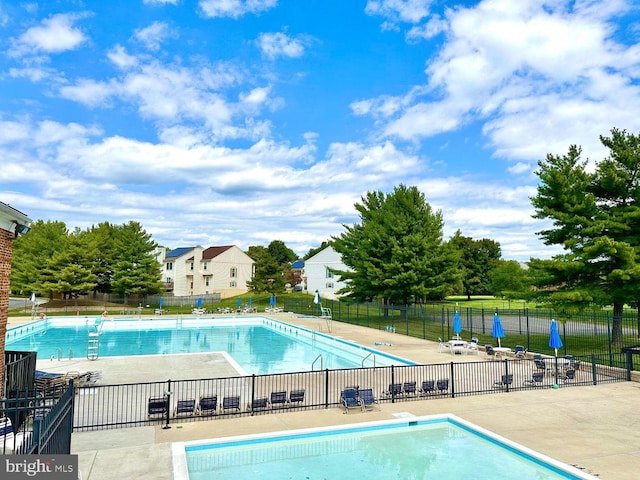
(594, 371)
(453, 381)
(393, 382)
(326, 388)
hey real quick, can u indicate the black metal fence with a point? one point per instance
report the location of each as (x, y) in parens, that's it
(113, 406)
(581, 333)
(47, 424)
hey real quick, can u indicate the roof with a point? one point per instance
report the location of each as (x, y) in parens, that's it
(297, 264)
(213, 252)
(178, 252)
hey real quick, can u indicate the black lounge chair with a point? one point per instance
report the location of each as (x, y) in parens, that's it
(536, 379)
(367, 399)
(428, 387)
(409, 388)
(296, 396)
(231, 403)
(570, 374)
(505, 381)
(490, 352)
(349, 399)
(443, 385)
(208, 405)
(394, 389)
(157, 406)
(185, 407)
(259, 403)
(278, 399)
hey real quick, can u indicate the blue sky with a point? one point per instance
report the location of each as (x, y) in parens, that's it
(219, 122)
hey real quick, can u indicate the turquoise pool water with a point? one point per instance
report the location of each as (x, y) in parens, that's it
(442, 447)
(257, 344)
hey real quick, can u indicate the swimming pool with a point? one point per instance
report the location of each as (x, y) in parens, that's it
(259, 345)
(438, 446)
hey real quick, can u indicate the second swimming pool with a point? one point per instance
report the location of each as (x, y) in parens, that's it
(258, 344)
(439, 446)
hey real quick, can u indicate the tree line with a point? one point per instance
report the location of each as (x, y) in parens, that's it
(396, 253)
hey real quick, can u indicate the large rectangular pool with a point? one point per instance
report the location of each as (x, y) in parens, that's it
(259, 345)
(440, 446)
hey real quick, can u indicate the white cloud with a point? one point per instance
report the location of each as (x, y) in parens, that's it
(280, 44)
(235, 8)
(55, 34)
(119, 56)
(536, 74)
(408, 11)
(153, 35)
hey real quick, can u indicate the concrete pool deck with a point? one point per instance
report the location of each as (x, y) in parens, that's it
(592, 427)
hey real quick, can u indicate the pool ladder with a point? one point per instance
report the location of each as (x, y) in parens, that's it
(93, 343)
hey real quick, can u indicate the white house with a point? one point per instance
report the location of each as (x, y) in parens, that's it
(318, 275)
(197, 271)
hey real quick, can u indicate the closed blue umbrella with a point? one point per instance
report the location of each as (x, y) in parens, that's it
(457, 325)
(554, 337)
(160, 302)
(497, 331)
(239, 302)
(274, 300)
(199, 302)
(271, 300)
(250, 301)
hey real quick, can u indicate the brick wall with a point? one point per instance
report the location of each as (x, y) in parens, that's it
(6, 244)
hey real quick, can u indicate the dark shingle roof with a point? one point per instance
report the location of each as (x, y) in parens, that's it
(213, 252)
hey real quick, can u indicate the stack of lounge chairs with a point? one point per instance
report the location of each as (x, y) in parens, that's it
(50, 382)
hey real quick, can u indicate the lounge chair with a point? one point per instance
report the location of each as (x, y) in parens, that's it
(428, 387)
(536, 379)
(349, 399)
(208, 405)
(505, 382)
(472, 346)
(540, 365)
(278, 399)
(157, 406)
(185, 407)
(442, 385)
(259, 403)
(11, 442)
(409, 388)
(520, 352)
(394, 389)
(367, 399)
(296, 396)
(490, 352)
(231, 403)
(442, 346)
(570, 374)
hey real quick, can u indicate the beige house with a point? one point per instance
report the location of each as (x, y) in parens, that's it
(197, 271)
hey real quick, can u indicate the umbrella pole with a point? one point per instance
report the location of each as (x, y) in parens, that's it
(556, 366)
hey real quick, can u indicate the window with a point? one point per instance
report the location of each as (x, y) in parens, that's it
(232, 284)
(169, 266)
(204, 265)
(169, 280)
(191, 267)
(206, 282)
(191, 286)
(233, 273)
(329, 273)
(329, 285)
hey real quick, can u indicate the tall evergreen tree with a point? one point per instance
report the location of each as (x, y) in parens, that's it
(396, 253)
(136, 271)
(477, 259)
(596, 220)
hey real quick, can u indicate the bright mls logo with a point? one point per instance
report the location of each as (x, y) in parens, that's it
(51, 467)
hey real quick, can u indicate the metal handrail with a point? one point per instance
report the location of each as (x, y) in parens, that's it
(365, 358)
(319, 357)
